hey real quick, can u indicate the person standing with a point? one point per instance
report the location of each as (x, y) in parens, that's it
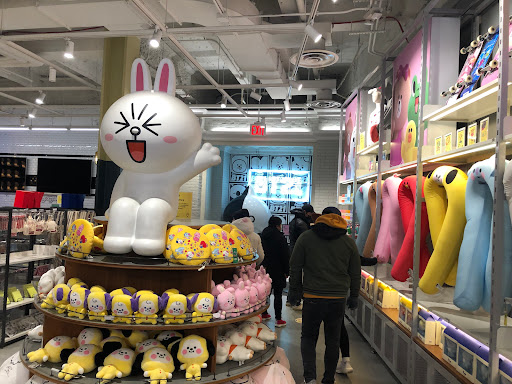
(277, 255)
(326, 267)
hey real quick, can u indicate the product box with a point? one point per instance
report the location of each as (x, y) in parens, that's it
(441, 326)
(466, 359)
(450, 345)
(405, 313)
(482, 365)
(387, 297)
(505, 371)
(427, 327)
(369, 287)
(364, 276)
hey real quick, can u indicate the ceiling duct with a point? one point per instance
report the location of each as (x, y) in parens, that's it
(323, 100)
(315, 58)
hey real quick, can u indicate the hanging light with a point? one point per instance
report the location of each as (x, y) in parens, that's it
(224, 102)
(255, 95)
(32, 114)
(283, 117)
(70, 49)
(155, 39)
(296, 84)
(40, 98)
(313, 33)
(52, 75)
(286, 103)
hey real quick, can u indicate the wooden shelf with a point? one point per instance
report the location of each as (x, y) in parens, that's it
(392, 315)
(48, 312)
(225, 372)
(192, 223)
(468, 154)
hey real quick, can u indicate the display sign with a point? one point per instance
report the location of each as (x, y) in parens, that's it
(472, 134)
(448, 142)
(484, 129)
(461, 137)
(279, 185)
(184, 205)
(438, 147)
(257, 129)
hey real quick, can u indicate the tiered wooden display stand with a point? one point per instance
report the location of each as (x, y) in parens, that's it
(157, 274)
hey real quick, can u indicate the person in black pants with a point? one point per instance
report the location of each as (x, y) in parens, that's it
(276, 262)
(326, 267)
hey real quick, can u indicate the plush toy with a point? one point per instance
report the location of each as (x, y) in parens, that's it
(226, 350)
(158, 365)
(82, 360)
(226, 302)
(171, 291)
(98, 304)
(242, 299)
(176, 306)
(112, 343)
(52, 350)
(256, 319)
(91, 336)
(46, 283)
(190, 247)
(228, 228)
(193, 351)
(205, 229)
(116, 365)
(97, 288)
(169, 239)
(147, 306)
(203, 305)
(148, 344)
(123, 308)
(242, 243)
(36, 333)
(77, 299)
(239, 338)
(57, 298)
(74, 280)
(133, 337)
(221, 249)
(254, 301)
(260, 331)
(262, 291)
(169, 338)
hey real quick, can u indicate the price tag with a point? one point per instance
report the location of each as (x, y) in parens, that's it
(235, 255)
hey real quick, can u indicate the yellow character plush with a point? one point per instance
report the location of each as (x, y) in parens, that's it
(176, 306)
(408, 149)
(98, 304)
(203, 305)
(57, 298)
(228, 228)
(242, 244)
(170, 235)
(144, 292)
(205, 229)
(171, 291)
(81, 361)
(52, 350)
(147, 306)
(190, 247)
(123, 291)
(193, 351)
(133, 337)
(158, 365)
(74, 280)
(91, 336)
(116, 365)
(77, 299)
(122, 308)
(221, 246)
(148, 344)
(97, 244)
(97, 288)
(80, 236)
(112, 343)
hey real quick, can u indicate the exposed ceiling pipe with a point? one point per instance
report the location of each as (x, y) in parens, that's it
(46, 89)
(53, 18)
(219, 6)
(197, 87)
(7, 96)
(301, 6)
(140, 4)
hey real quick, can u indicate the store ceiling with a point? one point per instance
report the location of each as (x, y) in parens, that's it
(231, 47)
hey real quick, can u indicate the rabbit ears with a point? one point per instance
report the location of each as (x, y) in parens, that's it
(165, 80)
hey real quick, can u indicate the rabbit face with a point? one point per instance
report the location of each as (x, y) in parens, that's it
(149, 132)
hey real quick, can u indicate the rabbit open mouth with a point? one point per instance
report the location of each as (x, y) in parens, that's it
(137, 150)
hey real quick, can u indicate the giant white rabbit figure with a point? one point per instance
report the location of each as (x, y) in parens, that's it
(156, 139)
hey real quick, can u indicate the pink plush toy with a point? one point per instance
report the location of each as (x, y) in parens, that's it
(262, 291)
(226, 302)
(215, 291)
(254, 302)
(242, 299)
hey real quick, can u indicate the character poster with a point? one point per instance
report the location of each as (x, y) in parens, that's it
(349, 141)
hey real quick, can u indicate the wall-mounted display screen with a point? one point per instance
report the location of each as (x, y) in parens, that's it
(64, 175)
(280, 185)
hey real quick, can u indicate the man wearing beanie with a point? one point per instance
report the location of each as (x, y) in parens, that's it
(325, 267)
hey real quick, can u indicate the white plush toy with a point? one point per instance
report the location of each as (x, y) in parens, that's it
(226, 350)
(261, 331)
(156, 139)
(12, 371)
(239, 338)
(36, 334)
(50, 279)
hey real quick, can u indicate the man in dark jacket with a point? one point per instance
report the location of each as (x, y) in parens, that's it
(325, 266)
(276, 262)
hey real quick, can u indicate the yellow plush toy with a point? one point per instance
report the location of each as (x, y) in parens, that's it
(203, 305)
(81, 361)
(112, 343)
(57, 298)
(193, 351)
(116, 365)
(97, 288)
(171, 291)
(170, 235)
(77, 306)
(123, 291)
(133, 337)
(228, 228)
(147, 305)
(91, 336)
(74, 280)
(157, 365)
(176, 306)
(122, 308)
(190, 247)
(205, 229)
(80, 236)
(242, 244)
(98, 304)
(52, 350)
(148, 344)
(221, 246)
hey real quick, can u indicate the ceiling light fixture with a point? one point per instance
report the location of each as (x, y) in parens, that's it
(296, 84)
(224, 102)
(13, 129)
(52, 75)
(84, 129)
(286, 103)
(22, 122)
(255, 95)
(40, 98)
(283, 117)
(49, 129)
(32, 114)
(70, 49)
(334, 1)
(155, 39)
(313, 33)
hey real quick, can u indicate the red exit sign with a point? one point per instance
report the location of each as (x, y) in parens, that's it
(257, 129)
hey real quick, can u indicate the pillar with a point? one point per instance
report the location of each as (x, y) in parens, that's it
(118, 55)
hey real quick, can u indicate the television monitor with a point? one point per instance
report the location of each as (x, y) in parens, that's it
(64, 175)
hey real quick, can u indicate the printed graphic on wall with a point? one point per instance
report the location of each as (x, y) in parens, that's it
(12, 174)
(349, 141)
(406, 102)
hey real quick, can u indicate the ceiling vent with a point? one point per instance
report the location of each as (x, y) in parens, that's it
(315, 58)
(323, 100)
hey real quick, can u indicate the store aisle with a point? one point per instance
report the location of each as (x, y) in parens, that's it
(368, 367)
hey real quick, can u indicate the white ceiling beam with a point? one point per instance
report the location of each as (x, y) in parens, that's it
(10, 97)
(46, 89)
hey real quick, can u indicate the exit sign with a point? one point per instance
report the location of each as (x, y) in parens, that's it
(258, 129)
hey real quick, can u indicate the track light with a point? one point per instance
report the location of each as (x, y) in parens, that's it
(40, 98)
(296, 84)
(32, 114)
(334, 1)
(255, 95)
(70, 49)
(155, 39)
(22, 122)
(52, 75)
(224, 102)
(313, 33)
(286, 103)
(283, 117)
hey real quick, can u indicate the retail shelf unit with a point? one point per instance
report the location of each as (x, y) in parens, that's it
(401, 348)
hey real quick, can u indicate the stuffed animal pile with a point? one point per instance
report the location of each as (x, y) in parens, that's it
(123, 353)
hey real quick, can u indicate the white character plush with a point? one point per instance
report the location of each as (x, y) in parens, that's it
(239, 338)
(156, 139)
(226, 350)
(261, 331)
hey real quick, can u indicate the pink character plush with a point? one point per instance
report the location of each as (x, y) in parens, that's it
(242, 299)
(254, 302)
(262, 291)
(215, 291)
(226, 301)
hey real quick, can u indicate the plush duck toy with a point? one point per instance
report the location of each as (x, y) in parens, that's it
(52, 350)
(203, 305)
(77, 299)
(176, 306)
(193, 351)
(116, 365)
(98, 303)
(123, 308)
(82, 360)
(148, 305)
